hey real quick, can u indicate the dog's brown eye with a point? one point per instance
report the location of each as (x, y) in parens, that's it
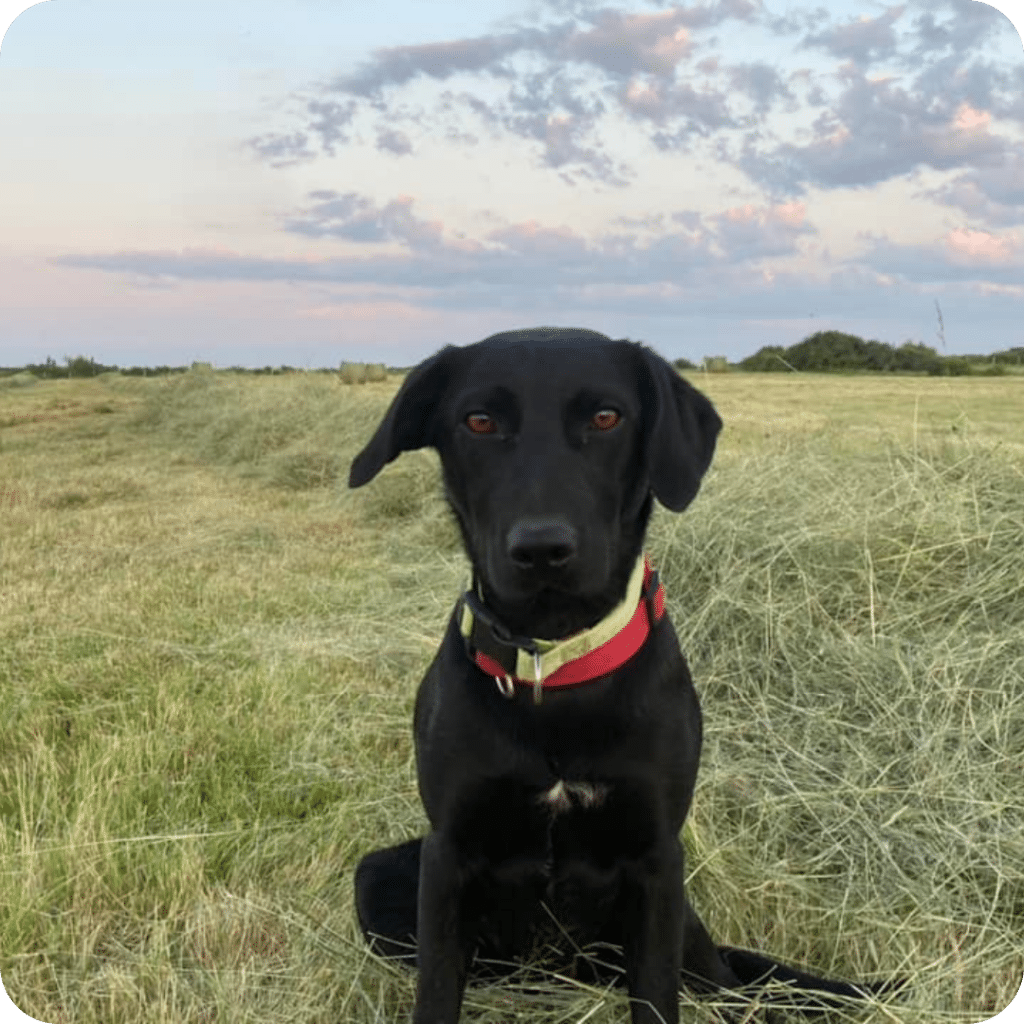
(481, 423)
(605, 419)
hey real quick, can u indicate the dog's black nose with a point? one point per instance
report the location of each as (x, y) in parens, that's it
(541, 543)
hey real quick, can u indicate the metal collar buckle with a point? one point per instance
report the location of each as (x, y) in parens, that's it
(507, 688)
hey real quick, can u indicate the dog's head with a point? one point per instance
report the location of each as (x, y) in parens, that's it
(552, 442)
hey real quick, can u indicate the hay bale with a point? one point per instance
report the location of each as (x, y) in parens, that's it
(23, 379)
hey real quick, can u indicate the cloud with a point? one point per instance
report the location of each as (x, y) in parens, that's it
(282, 150)
(327, 120)
(617, 42)
(877, 129)
(554, 109)
(963, 255)
(357, 219)
(951, 26)
(628, 44)
(669, 262)
(761, 82)
(966, 246)
(860, 39)
(669, 244)
(893, 100)
(650, 276)
(690, 111)
(549, 84)
(992, 193)
(668, 255)
(394, 66)
(751, 233)
(393, 141)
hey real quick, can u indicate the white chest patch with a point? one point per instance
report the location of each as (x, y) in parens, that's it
(563, 796)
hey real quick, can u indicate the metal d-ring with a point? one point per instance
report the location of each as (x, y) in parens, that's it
(505, 686)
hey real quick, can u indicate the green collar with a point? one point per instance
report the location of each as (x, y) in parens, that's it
(579, 658)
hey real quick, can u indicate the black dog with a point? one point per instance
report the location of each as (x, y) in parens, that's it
(557, 730)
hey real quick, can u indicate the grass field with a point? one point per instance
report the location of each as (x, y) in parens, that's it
(209, 651)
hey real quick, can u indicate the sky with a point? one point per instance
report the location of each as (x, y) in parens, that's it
(303, 183)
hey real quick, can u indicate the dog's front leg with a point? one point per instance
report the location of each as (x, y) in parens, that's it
(652, 902)
(443, 950)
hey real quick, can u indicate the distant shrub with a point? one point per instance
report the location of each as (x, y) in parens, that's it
(955, 366)
(836, 351)
(153, 371)
(85, 366)
(769, 359)
(1009, 357)
(913, 357)
(993, 369)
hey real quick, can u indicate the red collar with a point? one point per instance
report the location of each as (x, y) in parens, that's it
(502, 655)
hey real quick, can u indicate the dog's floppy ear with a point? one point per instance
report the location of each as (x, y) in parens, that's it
(682, 427)
(408, 422)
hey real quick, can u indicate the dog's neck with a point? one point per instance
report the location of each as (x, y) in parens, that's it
(586, 655)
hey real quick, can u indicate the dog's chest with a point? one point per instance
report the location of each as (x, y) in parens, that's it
(566, 795)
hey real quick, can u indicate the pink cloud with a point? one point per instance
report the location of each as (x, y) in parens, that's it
(974, 246)
(643, 98)
(652, 43)
(741, 214)
(967, 117)
(790, 214)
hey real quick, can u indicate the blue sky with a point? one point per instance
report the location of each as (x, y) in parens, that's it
(303, 183)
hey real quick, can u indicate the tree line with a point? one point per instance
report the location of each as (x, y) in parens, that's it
(822, 352)
(838, 352)
(85, 366)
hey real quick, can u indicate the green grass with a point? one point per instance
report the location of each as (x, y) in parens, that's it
(209, 651)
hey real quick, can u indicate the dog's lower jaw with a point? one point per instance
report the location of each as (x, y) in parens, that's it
(556, 610)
